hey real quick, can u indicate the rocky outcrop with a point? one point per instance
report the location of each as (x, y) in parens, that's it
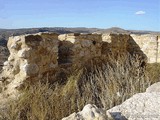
(78, 48)
(150, 46)
(52, 57)
(89, 112)
(142, 106)
(46, 55)
(147, 45)
(30, 57)
(153, 88)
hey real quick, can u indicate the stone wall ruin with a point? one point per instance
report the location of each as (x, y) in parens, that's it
(35, 56)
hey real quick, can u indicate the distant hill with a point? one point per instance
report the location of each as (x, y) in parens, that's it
(114, 30)
(120, 30)
(5, 33)
(144, 32)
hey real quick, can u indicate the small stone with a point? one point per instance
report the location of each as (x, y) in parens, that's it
(5, 63)
(24, 53)
(71, 40)
(62, 37)
(30, 69)
(89, 112)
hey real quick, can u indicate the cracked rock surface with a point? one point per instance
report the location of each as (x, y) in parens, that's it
(142, 106)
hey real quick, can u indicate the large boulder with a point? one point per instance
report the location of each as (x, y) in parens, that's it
(154, 88)
(142, 106)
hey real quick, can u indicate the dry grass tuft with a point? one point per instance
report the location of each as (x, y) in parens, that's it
(104, 82)
(153, 70)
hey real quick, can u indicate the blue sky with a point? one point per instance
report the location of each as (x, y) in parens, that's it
(127, 14)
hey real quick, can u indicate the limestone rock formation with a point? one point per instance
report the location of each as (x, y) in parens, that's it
(47, 56)
(146, 45)
(154, 88)
(89, 112)
(142, 106)
(30, 57)
(149, 44)
(74, 47)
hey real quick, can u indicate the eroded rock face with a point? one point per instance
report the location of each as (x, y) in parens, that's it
(30, 57)
(46, 51)
(149, 44)
(37, 56)
(115, 43)
(34, 56)
(89, 112)
(142, 106)
(76, 48)
(154, 88)
(30, 69)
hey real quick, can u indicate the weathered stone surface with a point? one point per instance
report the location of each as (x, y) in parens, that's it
(24, 53)
(79, 47)
(149, 44)
(38, 56)
(154, 88)
(89, 112)
(142, 106)
(115, 43)
(30, 56)
(33, 56)
(30, 69)
(141, 44)
(146, 45)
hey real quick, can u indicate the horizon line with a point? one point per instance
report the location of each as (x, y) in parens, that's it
(147, 30)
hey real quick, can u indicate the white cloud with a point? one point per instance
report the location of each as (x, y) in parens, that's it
(140, 13)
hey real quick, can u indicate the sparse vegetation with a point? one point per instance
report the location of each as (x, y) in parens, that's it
(153, 70)
(103, 82)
